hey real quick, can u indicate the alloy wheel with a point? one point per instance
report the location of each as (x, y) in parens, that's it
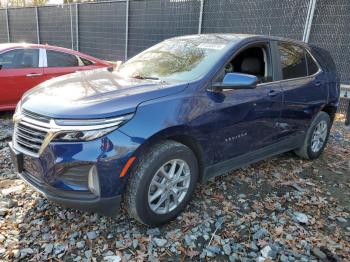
(319, 136)
(169, 186)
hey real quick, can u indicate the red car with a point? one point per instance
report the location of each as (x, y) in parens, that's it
(23, 66)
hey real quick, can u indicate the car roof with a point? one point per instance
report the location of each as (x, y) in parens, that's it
(231, 37)
(8, 46)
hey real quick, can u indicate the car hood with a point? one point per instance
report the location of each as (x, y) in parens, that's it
(93, 94)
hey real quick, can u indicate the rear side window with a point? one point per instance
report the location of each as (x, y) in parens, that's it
(293, 61)
(59, 59)
(20, 58)
(312, 67)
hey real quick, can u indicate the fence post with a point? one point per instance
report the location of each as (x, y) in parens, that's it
(77, 25)
(126, 29)
(347, 116)
(71, 26)
(200, 17)
(37, 25)
(309, 18)
(7, 26)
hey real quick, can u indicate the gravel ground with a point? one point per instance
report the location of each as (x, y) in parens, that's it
(280, 209)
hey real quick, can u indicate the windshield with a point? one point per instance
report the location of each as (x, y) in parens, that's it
(177, 59)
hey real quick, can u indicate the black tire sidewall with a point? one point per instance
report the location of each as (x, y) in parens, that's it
(144, 211)
(319, 118)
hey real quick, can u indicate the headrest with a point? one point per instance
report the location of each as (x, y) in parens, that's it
(251, 65)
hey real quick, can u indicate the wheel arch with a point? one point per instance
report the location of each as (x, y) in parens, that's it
(331, 110)
(179, 134)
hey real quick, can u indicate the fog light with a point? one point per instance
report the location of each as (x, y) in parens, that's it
(93, 183)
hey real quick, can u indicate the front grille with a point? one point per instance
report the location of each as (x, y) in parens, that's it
(30, 132)
(29, 138)
(36, 116)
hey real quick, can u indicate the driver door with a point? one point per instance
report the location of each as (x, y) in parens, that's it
(247, 119)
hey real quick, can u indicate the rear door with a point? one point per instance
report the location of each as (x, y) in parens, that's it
(60, 63)
(21, 69)
(304, 88)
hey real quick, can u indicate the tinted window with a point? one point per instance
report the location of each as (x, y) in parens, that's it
(59, 59)
(86, 62)
(20, 58)
(312, 67)
(292, 60)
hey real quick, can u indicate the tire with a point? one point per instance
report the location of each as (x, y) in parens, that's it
(146, 176)
(308, 150)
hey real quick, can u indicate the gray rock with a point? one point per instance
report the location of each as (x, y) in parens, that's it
(3, 212)
(188, 240)
(297, 187)
(161, 242)
(260, 259)
(253, 246)
(284, 258)
(214, 249)
(319, 254)
(7, 203)
(153, 231)
(91, 235)
(119, 244)
(234, 258)
(260, 234)
(341, 220)
(227, 249)
(112, 258)
(88, 253)
(16, 253)
(48, 248)
(265, 252)
(26, 251)
(300, 217)
(80, 244)
(59, 248)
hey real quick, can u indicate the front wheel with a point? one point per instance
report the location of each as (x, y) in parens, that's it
(316, 137)
(162, 183)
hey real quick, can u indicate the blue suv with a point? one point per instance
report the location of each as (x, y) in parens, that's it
(181, 112)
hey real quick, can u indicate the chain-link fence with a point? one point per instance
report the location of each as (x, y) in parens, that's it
(115, 30)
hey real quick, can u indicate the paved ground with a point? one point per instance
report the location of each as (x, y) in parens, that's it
(281, 209)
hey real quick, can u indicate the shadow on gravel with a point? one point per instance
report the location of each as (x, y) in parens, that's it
(282, 209)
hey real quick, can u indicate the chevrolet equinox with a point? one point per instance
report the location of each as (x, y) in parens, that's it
(181, 112)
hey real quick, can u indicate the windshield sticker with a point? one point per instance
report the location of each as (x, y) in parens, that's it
(211, 46)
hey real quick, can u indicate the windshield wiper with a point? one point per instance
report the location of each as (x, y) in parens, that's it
(145, 77)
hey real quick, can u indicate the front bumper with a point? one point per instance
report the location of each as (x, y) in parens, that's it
(77, 200)
(60, 172)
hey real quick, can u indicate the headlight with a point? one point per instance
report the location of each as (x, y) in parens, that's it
(89, 129)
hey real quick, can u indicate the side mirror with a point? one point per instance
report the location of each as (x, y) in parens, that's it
(237, 81)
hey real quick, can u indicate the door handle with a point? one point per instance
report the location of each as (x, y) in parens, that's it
(33, 75)
(318, 83)
(273, 93)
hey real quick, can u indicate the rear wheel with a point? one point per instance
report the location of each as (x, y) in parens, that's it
(162, 183)
(316, 137)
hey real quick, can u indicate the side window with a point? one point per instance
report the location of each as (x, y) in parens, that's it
(292, 60)
(312, 67)
(20, 58)
(60, 59)
(254, 60)
(86, 62)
